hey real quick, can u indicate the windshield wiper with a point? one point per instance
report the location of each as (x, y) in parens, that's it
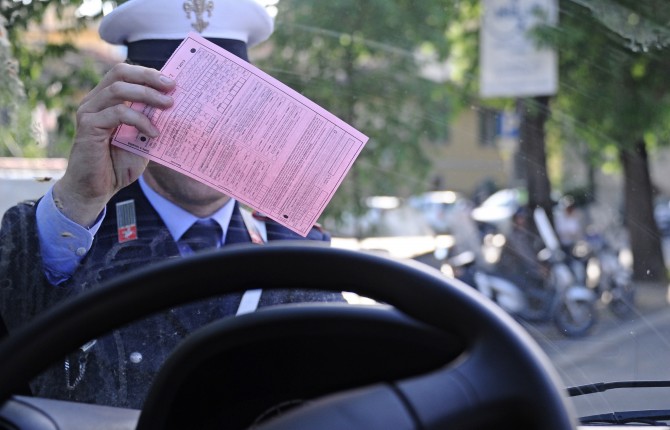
(604, 386)
(650, 417)
(654, 417)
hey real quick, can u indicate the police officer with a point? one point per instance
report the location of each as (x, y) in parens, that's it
(114, 211)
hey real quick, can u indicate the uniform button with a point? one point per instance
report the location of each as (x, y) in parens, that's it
(135, 357)
(81, 251)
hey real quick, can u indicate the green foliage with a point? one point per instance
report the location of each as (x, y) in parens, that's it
(12, 97)
(363, 62)
(613, 71)
(11, 89)
(54, 75)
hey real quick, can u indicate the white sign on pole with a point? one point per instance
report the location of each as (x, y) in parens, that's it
(511, 64)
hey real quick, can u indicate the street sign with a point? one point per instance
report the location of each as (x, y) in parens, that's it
(511, 63)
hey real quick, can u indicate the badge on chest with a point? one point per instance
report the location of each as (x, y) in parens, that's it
(126, 221)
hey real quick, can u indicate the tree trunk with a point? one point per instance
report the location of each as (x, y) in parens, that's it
(645, 240)
(534, 114)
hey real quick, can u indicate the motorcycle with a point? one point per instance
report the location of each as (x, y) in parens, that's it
(570, 307)
(610, 279)
(500, 290)
(565, 301)
(570, 304)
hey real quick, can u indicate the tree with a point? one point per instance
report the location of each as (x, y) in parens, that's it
(12, 95)
(53, 75)
(613, 90)
(534, 112)
(363, 62)
(614, 62)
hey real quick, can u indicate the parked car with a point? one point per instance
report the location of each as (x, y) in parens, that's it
(392, 227)
(495, 212)
(442, 209)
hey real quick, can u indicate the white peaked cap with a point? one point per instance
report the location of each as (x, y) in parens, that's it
(243, 20)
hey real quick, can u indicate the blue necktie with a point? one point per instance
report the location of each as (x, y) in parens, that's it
(237, 231)
(202, 235)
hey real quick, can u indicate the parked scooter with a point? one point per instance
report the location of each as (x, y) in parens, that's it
(569, 303)
(608, 277)
(502, 291)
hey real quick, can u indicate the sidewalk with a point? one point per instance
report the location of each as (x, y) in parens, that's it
(650, 296)
(650, 318)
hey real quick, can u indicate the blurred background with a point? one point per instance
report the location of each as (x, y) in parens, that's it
(448, 155)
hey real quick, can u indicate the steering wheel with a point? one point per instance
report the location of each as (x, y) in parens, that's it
(481, 366)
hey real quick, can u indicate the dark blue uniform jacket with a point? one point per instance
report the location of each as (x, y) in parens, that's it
(119, 367)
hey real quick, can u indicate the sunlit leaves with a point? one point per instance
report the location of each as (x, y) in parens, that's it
(609, 83)
(365, 62)
(55, 76)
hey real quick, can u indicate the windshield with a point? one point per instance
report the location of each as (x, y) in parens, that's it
(520, 146)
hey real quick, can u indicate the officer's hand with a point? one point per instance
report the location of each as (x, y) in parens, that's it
(96, 169)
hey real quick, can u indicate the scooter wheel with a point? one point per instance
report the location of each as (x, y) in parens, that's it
(576, 320)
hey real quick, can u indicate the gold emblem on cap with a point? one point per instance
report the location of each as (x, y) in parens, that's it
(199, 7)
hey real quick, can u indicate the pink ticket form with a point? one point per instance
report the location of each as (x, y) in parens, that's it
(246, 134)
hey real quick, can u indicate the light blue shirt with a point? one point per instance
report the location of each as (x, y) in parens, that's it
(178, 220)
(65, 243)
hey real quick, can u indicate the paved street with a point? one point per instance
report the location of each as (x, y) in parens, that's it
(634, 349)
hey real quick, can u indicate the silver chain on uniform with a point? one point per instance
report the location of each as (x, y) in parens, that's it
(83, 360)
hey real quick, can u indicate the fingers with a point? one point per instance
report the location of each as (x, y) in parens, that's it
(127, 83)
(107, 105)
(131, 74)
(123, 92)
(103, 122)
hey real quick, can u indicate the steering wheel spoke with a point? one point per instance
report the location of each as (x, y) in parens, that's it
(470, 393)
(377, 407)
